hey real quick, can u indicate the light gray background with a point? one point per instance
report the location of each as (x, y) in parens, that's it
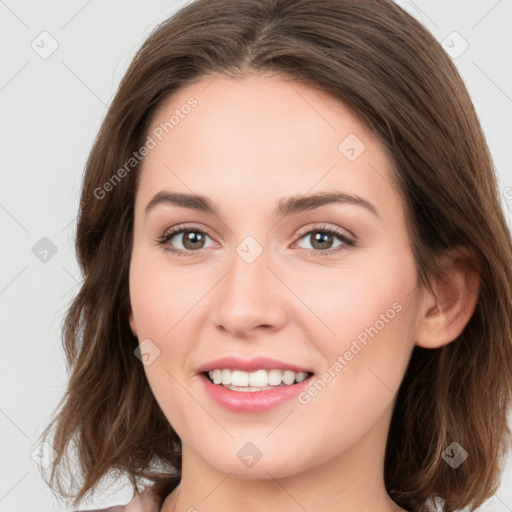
(51, 111)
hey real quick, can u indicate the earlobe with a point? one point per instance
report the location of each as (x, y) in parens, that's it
(444, 316)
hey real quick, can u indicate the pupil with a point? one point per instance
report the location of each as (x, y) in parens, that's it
(192, 237)
(322, 239)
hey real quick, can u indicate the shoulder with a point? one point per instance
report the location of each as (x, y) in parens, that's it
(150, 499)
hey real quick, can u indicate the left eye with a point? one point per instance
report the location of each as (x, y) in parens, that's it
(324, 236)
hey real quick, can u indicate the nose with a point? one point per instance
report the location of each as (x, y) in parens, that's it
(251, 299)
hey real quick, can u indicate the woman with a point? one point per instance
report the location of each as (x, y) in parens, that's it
(216, 355)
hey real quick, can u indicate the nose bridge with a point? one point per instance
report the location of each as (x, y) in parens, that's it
(250, 295)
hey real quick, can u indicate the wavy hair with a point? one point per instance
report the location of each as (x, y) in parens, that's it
(398, 81)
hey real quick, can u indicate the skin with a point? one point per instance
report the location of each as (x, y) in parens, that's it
(247, 144)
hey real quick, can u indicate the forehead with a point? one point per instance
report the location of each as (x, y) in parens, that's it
(260, 135)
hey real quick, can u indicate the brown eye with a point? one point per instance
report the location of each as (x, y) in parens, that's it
(191, 239)
(322, 239)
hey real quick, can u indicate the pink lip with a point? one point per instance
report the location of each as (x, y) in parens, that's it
(247, 401)
(251, 365)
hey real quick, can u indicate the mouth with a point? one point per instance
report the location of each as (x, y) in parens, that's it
(253, 385)
(253, 392)
(255, 381)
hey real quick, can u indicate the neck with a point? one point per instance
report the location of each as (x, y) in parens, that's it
(352, 480)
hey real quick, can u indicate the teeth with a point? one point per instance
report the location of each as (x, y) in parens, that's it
(216, 376)
(257, 379)
(226, 376)
(288, 377)
(300, 376)
(275, 377)
(239, 378)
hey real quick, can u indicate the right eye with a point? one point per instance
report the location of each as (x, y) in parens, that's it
(192, 240)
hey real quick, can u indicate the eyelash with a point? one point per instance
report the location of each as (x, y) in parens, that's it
(348, 240)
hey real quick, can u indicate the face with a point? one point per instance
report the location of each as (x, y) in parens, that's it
(326, 287)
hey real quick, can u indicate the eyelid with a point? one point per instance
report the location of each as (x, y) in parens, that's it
(187, 227)
(323, 226)
(303, 231)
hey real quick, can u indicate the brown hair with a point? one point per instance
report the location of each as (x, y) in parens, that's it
(396, 78)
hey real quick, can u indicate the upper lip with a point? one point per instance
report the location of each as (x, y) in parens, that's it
(250, 365)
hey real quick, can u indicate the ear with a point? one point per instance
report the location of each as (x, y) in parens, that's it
(444, 316)
(132, 323)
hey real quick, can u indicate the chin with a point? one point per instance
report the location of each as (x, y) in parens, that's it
(250, 462)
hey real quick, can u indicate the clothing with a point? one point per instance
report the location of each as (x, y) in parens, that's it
(116, 508)
(135, 506)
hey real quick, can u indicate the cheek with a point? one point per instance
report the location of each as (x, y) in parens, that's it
(354, 296)
(158, 307)
(156, 295)
(371, 317)
(164, 304)
(364, 367)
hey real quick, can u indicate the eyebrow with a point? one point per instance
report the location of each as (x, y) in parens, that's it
(285, 206)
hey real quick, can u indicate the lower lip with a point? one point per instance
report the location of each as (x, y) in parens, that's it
(252, 401)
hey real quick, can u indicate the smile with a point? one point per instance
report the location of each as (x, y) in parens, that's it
(253, 399)
(239, 380)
